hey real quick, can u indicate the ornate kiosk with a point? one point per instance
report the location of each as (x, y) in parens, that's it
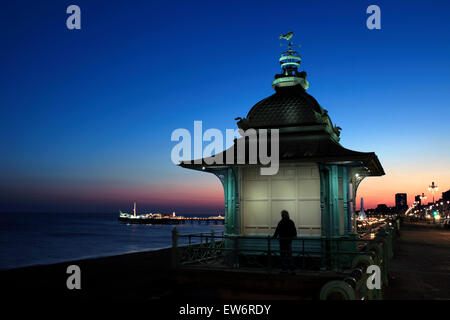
(317, 178)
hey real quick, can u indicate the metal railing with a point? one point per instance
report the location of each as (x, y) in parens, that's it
(218, 251)
(347, 258)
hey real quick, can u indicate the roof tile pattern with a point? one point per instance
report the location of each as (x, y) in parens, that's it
(290, 106)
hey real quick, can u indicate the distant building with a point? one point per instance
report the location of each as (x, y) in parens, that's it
(401, 201)
(418, 200)
(382, 208)
(446, 200)
(446, 195)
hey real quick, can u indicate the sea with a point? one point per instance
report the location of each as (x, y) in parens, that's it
(28, 239)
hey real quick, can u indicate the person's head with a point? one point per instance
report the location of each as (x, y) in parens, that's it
(284, 214)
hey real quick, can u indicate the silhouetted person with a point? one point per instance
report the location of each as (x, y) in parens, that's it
(286, 231)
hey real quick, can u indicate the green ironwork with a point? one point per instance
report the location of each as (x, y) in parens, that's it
(337, 290)
(352, 254)
(228, 176)
(200, 248)
(344, 248)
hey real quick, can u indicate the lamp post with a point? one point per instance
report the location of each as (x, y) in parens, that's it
(433, 188)
(423, 197)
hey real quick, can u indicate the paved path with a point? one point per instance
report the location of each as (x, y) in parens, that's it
(421, 269)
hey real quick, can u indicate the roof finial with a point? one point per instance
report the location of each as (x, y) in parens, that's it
(290, 61)
(287, 36)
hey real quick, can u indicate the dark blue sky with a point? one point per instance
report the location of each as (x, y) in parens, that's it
(86, 115)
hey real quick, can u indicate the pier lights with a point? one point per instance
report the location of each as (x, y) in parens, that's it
(433, 188)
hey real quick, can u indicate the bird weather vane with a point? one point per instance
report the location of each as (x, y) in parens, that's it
(288, 36)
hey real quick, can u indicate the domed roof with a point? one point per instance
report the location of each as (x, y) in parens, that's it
(288, 107)
(306, 133)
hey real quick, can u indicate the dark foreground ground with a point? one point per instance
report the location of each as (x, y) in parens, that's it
(421, 270)
(143, 275)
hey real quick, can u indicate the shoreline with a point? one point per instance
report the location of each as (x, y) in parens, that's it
(82, 258)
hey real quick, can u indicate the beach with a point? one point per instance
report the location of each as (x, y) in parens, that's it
(142, 276)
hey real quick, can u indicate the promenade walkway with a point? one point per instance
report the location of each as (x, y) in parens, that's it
(421, 269)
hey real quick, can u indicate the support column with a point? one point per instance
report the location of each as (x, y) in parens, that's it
(350, 206)
(324, 200)
(229, 202)
(345, 195)
(329, 200)
(329, 196)
(235, 200)
(230, 179)
(225, 176)
(334, 200)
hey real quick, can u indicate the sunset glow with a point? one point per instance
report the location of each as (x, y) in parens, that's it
(88, 115)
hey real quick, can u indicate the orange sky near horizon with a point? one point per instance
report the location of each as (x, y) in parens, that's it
(377, 190)
(200, 189)
(207, 192)
(374, 190)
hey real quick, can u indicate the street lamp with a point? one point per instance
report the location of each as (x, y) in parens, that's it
(423, 197)
(433, 188)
